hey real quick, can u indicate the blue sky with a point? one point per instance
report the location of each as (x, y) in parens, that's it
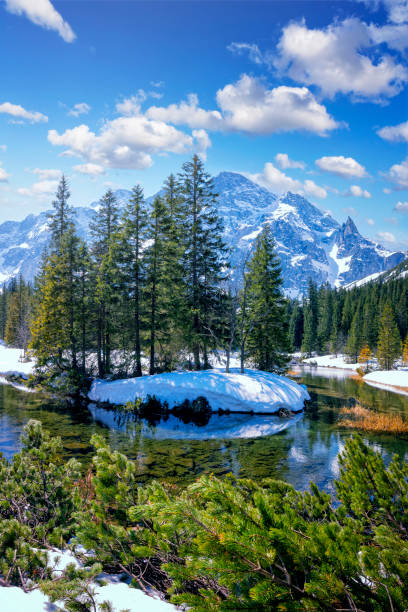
(309, 97)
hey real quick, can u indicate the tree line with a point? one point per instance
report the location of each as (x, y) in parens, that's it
(153, 290)
(369, 320)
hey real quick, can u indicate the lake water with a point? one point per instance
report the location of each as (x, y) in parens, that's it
(298, 449)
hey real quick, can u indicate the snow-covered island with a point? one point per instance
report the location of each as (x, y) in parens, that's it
(254, 391)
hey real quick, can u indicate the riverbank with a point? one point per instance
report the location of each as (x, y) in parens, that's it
(12, 362)
(254, 391)
(391, 380)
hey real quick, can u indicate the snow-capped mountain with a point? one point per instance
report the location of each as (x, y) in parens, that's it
(311, 243)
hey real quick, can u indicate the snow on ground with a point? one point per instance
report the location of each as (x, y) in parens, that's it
(119, 593)
(225, 426)
(253, 391)
(389, 380)
(11, 363)
(331, 361)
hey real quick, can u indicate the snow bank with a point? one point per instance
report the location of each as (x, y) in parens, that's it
(253, 391)
(389, 379)
(120, 594)
(331, 361)
(10, 362)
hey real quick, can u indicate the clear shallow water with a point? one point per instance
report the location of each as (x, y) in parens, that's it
(298, 450)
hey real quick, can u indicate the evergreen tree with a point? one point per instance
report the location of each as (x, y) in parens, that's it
(126, 259)
(103, 226)
(365, 356)
(204, 255)
(389, 341)
(310, 310)
(355, 338)
(266, 323)
(61, 219)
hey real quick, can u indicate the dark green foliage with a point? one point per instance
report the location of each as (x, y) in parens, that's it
(265, 311)
(219, 544)
(354, 317)
(389, 340)
(235, 544)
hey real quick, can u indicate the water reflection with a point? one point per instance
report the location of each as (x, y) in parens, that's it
(298, 450)
(216, 426)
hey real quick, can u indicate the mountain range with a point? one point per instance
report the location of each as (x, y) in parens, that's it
(310, 242)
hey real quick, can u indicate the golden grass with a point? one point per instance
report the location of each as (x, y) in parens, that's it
(365, 419)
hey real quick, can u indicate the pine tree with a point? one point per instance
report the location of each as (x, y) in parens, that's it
(61, 219)
(103, 226)
(310, 310)
(365, 356)
(126, 259)
(266, 322)
(204, 255)
(355, 339)
(389, 340)
(405, 351)
(155, 281)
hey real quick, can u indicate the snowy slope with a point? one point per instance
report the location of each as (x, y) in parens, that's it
(311, 243)
(254, 391)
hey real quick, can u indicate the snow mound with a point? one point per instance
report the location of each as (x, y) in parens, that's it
(253, 391)
(10, 362)
(331, 361)
(388, 379)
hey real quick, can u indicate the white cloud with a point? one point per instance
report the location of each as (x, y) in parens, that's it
(157, 84)
(187, 113)
(125, 142)
(249, 106)
(203, 142)
(395, 133)
(398, 174)
(3, 148)
(15, 110)
(284, 162)
(81, 108)
(278, 182)
(333, 59)
(395, 36)
(401, 207)
(42, 13)
(41, 189)
(47, 173)
(386, 236)
(90, 169)
(387, 191)
(346, 167)
(253, 51)
(3, 175)
(357, 192)
(397, 9)
(370, 221)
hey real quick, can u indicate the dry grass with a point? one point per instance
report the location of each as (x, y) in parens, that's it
(365, 419)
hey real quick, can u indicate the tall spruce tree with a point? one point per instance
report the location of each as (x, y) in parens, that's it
(389, 340)
(103, 226)
(266, 313)
(204, 255)
(311, 313)
(61, 219)
(129, 274)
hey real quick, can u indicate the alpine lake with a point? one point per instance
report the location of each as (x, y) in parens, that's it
(297, 449)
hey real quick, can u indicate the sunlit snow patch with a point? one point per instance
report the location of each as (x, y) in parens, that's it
(254, 391)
